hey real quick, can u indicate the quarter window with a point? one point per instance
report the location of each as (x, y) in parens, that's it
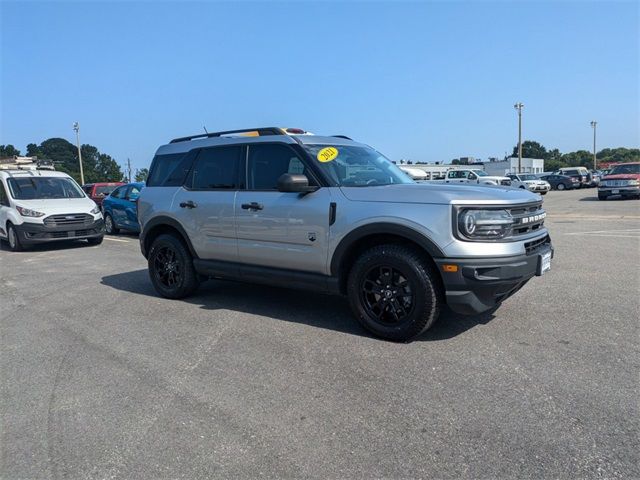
(216, 168)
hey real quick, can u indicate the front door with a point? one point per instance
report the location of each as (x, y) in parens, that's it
(4, 210)
(205, 205)
(277, 229)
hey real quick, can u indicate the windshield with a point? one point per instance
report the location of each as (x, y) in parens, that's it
(480, 173)
(528, 177)
(622, 169)
(357, 166)
(35, 188)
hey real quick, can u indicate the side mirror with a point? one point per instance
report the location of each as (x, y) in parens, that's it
(289, 182)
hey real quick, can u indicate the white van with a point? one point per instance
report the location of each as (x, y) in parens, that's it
(38, 206)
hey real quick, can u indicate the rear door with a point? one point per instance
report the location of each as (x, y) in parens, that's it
(115, 205)
(277, 229)
(204, 206)
(129, 204)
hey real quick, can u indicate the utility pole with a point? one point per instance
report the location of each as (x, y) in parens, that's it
(129, 168)
(76, 128)
(593, 125)
(518, 106)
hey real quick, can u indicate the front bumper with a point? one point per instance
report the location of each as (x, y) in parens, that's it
(539, 188)
(483, 283)
(626, 191)
(32, 233)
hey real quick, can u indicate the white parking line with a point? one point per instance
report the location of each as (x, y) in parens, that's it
(626, 233)
(117, 240)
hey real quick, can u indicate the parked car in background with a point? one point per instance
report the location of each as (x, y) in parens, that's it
(595, 177)
(120, 209)
(41, 206)
(529, 182)
(98, 191)
(414, 173)
(475, 176)
(623, 180)
(561, 182)
(580, 173)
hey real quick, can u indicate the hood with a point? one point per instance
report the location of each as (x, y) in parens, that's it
(50, 206)
(622, 176)
(440, 194)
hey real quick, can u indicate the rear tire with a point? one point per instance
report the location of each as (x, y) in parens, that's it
(13, 239)
(394, 292)
(110, 226)
(171, 268)
(561, 186)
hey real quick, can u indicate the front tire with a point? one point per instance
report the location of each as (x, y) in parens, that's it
(601, 196)
(394, 292)
(110, 226)
(13, 239)
(95, 240)
(171, 268)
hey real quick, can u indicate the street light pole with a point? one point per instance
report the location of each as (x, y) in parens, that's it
(593, 125)
(518, 106)
(76, 128)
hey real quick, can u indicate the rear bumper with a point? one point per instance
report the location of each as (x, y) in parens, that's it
(33, 233)
(483, 283)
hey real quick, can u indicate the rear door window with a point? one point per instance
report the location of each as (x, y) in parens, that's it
(216, 169)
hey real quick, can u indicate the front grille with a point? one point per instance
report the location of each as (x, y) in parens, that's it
(505, 182)
(68, 220)
(528, 218)
(615, 183)
(532, 246)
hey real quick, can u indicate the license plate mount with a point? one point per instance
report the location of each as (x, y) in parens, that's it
(544, 263)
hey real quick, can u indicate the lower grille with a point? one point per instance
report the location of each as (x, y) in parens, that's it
(531, 247)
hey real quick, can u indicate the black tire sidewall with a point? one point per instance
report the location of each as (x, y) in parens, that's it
(426, 302)
(18, 246)
(188, 280)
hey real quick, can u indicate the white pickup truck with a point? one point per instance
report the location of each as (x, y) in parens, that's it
(475, 176)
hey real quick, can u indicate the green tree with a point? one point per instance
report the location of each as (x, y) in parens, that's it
(142, 174)
(531, 149)
(97, 166)
(8, 151)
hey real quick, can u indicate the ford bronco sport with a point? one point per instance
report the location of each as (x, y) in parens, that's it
(286, 208)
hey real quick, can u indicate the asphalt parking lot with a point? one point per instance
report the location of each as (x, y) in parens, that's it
(104, 379)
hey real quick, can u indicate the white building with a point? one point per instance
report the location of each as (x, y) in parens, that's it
(510, 165)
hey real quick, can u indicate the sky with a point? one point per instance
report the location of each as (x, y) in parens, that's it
(424, 81)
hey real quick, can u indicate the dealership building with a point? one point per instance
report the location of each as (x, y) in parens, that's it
(510, 165)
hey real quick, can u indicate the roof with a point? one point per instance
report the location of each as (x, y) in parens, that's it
(184, 144)
(32, 173)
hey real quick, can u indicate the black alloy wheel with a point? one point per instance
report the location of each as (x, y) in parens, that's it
(171, 267)
(386, 295)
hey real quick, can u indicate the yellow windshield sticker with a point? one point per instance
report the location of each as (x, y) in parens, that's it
(327, 154)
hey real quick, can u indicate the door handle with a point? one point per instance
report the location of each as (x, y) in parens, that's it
(252, 206)
(188, 204)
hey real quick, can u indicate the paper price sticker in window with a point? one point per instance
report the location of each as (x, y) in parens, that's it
(327, 154)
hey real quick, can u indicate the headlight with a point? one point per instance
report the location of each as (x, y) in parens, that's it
(27, 212)
(490, 224)
(633, 182)
(95, 210)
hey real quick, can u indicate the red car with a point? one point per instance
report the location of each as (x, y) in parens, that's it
(623, 180)
(98, 191)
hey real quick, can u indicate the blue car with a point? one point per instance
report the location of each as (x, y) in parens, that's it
(120, 210)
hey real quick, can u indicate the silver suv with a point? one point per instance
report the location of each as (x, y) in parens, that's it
(282, 207)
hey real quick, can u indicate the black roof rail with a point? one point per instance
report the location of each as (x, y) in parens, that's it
(261, 132)
(342, 136)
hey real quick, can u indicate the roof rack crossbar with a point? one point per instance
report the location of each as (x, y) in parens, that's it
(261, 131)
